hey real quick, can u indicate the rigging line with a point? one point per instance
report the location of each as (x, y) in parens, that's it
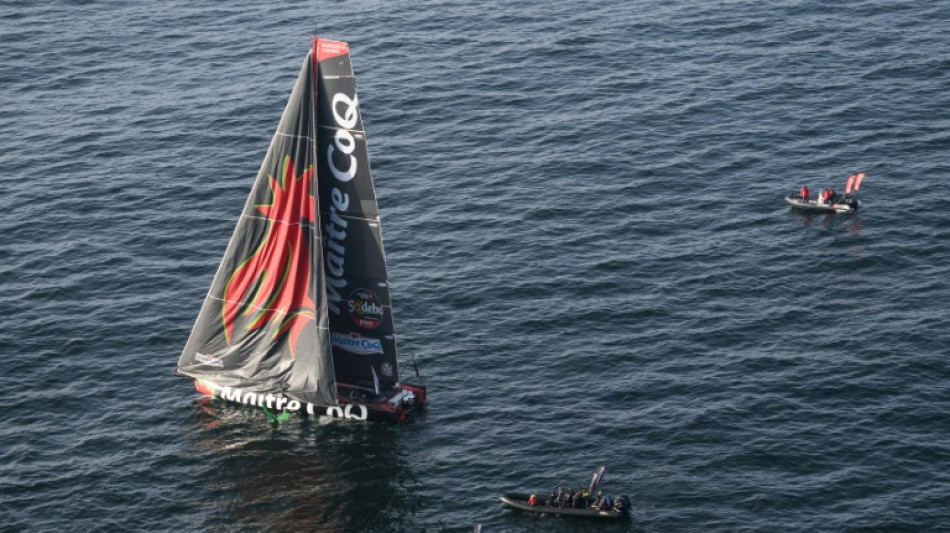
(259, 217)
(336, 128)
(412, 362)
(279, 312)
(355, 216)
(281, 134)
(256, 216)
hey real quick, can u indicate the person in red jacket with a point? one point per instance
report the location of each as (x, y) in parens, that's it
(532, 500)
(805, 192)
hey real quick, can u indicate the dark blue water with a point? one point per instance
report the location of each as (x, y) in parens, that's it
(589, 251)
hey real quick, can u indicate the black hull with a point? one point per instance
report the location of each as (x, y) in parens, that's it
(812, 206)
(519, 500)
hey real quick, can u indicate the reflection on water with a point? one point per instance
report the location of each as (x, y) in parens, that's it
(854, 232)
(301, 475)
(852, 224)
(808, 218)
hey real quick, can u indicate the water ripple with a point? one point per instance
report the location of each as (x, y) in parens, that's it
(590, 256)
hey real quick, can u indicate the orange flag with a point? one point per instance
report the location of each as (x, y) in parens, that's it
(859, 177)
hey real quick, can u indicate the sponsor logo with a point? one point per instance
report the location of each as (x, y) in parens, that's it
(352, 411)
(331, 49)
(365, 308)
(356, 343)
(335, 239)
(343, 140)
(346, 114)
(206, 359)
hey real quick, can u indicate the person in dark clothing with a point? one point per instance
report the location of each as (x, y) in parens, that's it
(598, 501)
(568, 498)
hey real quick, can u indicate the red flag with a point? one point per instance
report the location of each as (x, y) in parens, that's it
(847, 187)
(859, 177)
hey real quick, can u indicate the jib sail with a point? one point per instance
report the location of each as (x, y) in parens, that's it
(263, 325)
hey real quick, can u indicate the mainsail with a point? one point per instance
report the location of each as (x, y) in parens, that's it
(358, 296)
(301, 299)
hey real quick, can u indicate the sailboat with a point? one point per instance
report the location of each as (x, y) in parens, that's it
(298, 318)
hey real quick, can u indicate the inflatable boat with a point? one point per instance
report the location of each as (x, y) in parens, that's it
(519, 500)
(812, 205)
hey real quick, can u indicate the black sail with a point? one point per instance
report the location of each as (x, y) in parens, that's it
(357, 283)
(263, 326)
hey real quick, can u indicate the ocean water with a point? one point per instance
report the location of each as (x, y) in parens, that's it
(590, 257)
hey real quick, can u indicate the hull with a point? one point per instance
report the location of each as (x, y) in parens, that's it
(356, 403)
(812, 206)
(519, 500)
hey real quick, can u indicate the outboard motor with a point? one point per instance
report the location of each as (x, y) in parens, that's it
(620, 503)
